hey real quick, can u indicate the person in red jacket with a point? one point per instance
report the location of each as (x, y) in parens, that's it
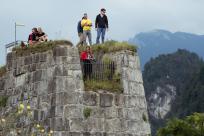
(86, 57)
(33, 38)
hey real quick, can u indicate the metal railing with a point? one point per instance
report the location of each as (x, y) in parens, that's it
(93, 70)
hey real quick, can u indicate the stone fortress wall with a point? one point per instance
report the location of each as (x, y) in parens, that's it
(51, 82)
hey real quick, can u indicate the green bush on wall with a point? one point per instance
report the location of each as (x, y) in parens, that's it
(2, 70)
(87, 112)
(3, 101)
(144, 117)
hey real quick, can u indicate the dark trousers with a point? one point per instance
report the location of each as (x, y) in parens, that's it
(87, 69)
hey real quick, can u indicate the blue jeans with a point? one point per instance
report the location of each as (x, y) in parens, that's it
(87, 34)
(100, 33)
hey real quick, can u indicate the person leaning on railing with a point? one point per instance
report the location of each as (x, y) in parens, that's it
(87, 57)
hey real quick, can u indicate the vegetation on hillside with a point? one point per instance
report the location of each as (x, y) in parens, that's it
(184, 70)
(190, 126)
(40, 47)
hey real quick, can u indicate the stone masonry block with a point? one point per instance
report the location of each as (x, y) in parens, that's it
(90, 99)
(72, 111)
(60, 51)
(106, 100)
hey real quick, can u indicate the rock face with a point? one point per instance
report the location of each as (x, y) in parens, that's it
(52, 83)
(161, 100)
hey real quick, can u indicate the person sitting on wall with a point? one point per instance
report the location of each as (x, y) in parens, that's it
(23, 45)
(42, 37)
(86, 57)
(33, 38)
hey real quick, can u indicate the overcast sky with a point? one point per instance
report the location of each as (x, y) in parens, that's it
(59, 18)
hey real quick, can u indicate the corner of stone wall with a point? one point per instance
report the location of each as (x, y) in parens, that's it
(52, 82)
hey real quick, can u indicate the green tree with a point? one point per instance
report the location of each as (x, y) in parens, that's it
(190, 126)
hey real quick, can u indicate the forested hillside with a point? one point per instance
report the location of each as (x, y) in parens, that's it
(174, 86)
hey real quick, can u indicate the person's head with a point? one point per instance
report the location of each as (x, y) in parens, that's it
(103, 11)
(85, 16)
(40, 30)
(88, 49)
(34, 30)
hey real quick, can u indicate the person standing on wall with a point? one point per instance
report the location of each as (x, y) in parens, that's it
(80, 33)
(86, 25)
(101, 25)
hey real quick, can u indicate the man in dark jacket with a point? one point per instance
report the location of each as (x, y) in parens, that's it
(80, 33)
(101, 25)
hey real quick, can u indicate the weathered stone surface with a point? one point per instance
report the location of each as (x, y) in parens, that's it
(119, 100)
(113, 125)
(90, 99)
(106, 100)
(73, 112)
(2, 83)
(52, 83)
(76, 125)
(60, 51)
(75, 134)
(28, 60)
(60, 124)
(94, 125)
(37, 76)
(56, 111)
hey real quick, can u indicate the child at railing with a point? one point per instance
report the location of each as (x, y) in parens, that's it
(86, 57)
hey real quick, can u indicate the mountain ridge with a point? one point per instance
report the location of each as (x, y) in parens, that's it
(155, 42)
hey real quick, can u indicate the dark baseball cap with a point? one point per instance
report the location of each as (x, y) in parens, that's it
(103, 9)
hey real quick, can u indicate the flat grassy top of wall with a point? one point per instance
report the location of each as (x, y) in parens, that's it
(111, 46)
(111, 86)
(39, 47)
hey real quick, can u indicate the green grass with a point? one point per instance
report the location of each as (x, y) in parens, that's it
(87, 112)
(108, 85)
(2, 70)
(111, 46)
(144, 117)
(3, 101)
(40, 47)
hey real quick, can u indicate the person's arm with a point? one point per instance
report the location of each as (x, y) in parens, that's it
(29, 38)
(96, 22)
(90, 23)
(82, 23)
(78, 27)
(106, 21)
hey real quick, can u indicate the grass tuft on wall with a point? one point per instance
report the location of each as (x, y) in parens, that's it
(111, 46)
(2, 70)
